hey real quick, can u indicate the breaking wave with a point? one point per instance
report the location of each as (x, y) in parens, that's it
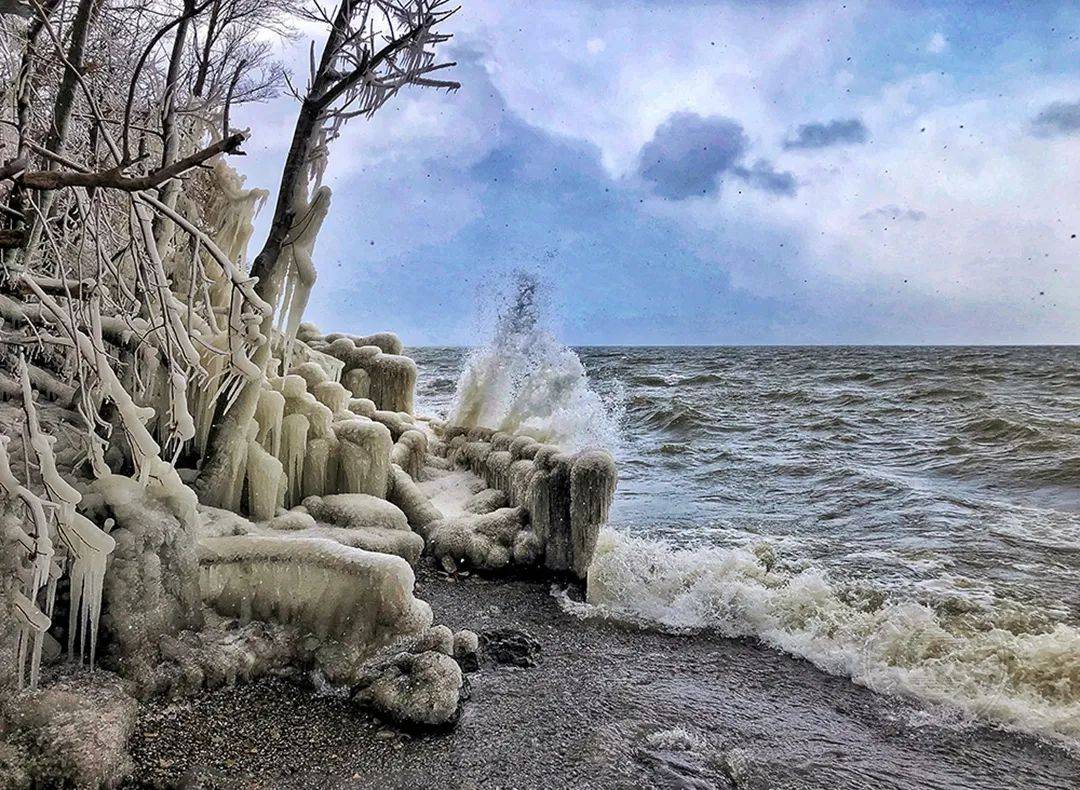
(1021, 673)
(524, 380)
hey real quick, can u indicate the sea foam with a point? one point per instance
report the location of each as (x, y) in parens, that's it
(1026, 681)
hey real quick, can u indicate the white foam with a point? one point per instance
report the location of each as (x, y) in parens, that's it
(1027, 681)
(525, 381)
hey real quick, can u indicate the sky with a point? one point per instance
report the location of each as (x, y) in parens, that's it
(681, 172)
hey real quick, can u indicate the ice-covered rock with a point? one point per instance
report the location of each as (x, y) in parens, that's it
(74, 732)
(484, 542)
(467, 650)
(414, 503)
(416, 691)
(151, 588)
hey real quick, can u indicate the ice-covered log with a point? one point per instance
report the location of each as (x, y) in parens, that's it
(523, 447)
(362, 407)
(333, 396)
(520, 476)
(474, 456)
(566, 507)
(413, 502)
(364, 456)
(362, 598)
(497, 469)
(358, 382)
(397, 422)
(487, 501)
(312, 373)
(307, 332)
(387, 342)
(400, 543)
(356, 511)
(550, 507)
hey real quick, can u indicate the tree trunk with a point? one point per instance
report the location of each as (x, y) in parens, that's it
(225, 455)
(163, 226)
(62, 109)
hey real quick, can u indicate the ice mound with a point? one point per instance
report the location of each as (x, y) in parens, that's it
(336, 592)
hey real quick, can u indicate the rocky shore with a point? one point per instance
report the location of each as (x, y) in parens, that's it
(606, 705)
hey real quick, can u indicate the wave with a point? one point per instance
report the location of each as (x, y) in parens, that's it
(527, 382)
(999, 428)
(1022, 680)
(674, 416)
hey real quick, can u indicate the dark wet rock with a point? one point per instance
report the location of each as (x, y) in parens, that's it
(511, 646)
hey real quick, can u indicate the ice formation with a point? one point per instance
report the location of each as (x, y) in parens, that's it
(334, 591)
(540, 505)
(330, 491)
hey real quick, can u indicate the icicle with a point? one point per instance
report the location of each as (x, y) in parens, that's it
(294, 440)
(269, 414)
(183, 427)
(264, 475)
(32, 623)
(89, 549)
(316, 465)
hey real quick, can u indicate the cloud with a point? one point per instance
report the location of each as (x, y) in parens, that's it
(688, 155)
(937, 44)
(822, 135)
(1058, 118)
(895, 213)
(764, 177)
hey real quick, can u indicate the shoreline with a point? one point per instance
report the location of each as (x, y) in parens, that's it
(608, 705)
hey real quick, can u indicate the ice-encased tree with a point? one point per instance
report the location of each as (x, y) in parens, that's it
(105, 312)
(373, 49)
(125, 296)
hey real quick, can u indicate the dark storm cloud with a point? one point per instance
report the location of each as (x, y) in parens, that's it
(1059, 118)
(689, 154)
(849, 131)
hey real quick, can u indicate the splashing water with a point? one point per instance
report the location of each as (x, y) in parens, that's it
(525, 381)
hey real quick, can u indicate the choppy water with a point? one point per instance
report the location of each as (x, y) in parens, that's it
(909, 517)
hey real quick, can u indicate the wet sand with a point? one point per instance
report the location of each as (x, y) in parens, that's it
(607, 706)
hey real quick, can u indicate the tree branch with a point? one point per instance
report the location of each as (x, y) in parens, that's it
(112, 179)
